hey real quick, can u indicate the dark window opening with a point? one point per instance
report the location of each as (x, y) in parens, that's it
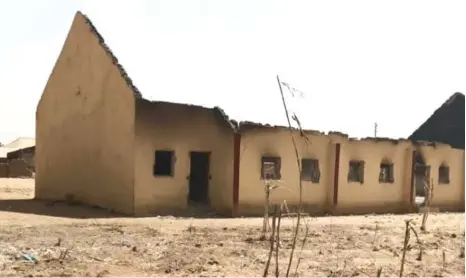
(356, 171)
(386, 174)
(163, 164)
(270, 168)
(444, 174)
(310, 170)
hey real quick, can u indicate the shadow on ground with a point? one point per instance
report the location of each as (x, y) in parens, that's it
(56, 209)
(82, 211)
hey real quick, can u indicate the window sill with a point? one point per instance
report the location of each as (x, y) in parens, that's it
(309, 181)
(355, 182)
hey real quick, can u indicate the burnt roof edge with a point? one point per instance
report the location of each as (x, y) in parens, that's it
(245, 126)
(124, 74)
(217, 111)
(225, 118)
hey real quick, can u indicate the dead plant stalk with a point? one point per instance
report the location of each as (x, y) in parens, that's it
(409, 228)
(277, 243)
(268, 187)
(302, 248)
(272, 239)
(429, 193)
(405, 246)
(265, 225)
(300, 205)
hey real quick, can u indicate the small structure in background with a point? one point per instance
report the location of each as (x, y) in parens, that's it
(26, 154)
(17, 159)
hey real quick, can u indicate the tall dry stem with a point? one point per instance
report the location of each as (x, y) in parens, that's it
(379, 272)
(444, 260)
(269, 187)
(277, 243)
(429, 194)
(265, 225)
(272, 240)
(302, 248)
(405, 247)
(409, 228)
(298, 162)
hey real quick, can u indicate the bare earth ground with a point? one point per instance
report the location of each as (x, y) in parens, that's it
(80, 241)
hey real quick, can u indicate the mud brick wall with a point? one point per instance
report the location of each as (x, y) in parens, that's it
(19, 168)
(4, 170)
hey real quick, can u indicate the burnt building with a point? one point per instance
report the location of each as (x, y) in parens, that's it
(26, 154)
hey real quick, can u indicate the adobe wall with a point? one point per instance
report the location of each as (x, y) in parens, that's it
(85, 125)
(373, 195)
(446, 195)
(336, 193)
(4, 170)
(181, 128)
(19, 168)
(258, 141)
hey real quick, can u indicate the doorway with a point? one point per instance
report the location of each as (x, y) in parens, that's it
(199, 177)
(421, 177)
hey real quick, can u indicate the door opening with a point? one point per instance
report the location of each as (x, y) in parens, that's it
(421, 177)
(199, 177)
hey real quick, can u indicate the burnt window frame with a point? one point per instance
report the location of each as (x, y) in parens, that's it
(391, 172)
(276, 160)
(157, 157)
(360, 176)
(314, 170)
(444, 180)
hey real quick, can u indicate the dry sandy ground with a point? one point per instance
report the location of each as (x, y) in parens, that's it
(79, 241)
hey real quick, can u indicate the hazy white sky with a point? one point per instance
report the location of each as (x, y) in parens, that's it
(358, 62)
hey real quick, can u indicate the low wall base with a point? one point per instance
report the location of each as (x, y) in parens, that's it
(56, 197)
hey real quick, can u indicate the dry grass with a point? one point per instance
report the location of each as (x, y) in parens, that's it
(337, 246)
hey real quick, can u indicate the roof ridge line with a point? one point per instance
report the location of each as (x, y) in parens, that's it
(124, 74)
